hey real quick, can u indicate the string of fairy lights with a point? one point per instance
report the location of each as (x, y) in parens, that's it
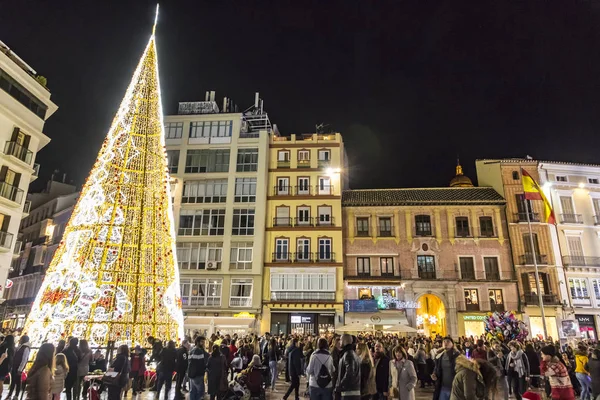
(114, 276)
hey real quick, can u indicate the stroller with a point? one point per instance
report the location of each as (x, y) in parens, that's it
(250, 386)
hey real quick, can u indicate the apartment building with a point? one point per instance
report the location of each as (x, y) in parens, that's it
(303, 277)
(39, 236)
(218, 165)
(427, 260)
(25, 106)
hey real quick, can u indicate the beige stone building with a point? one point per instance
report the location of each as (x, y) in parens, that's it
(436, 259)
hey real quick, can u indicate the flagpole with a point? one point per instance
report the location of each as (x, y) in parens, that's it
(535, 265)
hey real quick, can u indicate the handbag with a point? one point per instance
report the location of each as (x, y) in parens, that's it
(395, 393)
(112, 380)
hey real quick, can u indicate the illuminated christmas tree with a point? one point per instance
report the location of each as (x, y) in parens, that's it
(114, 276)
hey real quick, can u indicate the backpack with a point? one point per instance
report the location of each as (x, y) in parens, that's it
(323, 377)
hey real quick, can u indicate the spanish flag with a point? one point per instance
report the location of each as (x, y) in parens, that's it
(534, 192)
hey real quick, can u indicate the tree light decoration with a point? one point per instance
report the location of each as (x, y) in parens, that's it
(433, 320)
(114, 275)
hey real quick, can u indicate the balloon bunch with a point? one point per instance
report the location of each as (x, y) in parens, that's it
(504, 326)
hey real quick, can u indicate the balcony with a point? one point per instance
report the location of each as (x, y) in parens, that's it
(27, 207)
(282, 257)
(324, 190)
(467, 275)
(386, 276)
(571, 219)
(283, 163)
(304, 221)
(463, 306)
(319, 190)
(16, 150)
(325, 256)
(324, 163)
(11, 192)
(596, 219)
(302, 190)
(236, 301)
(6, 240)
(464, 232)
(249, 135)
(533, 299)
(305, 296)
(327, 220)
(522, 217)
(527, 259)
(427, 275)
(303, 257)
(303, 163)
(422, 231)
(282, 221)
(282, 191)
(581, 261)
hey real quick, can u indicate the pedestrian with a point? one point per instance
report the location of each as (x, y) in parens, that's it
(421, 362)
(583, 376)
(480, 352)
(517, 369)
(217, 372)
(534, 365)
(294, 367)
(497, 358)
(382, 372)
(273, 357)
(18, 365)
(475, 379)
(320, 372)
(197, 360)
(348, 382)
(403, 377)
(122, 367)
(138, 368)
(39, 377)
(593, 367)
(72, 354)
(168, 365)
(182, 366)
(443, 374)
(557, 374)
(60, 373)
(83, 368)
(367, 371)
(7, 354)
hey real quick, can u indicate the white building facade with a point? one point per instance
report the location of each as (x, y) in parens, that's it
(218, 161)
(24, 107)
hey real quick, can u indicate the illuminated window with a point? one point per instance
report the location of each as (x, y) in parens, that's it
(422, 225)
(578, 288)
(387, 266)
(426, 266)
(365, 294)
(471, 299)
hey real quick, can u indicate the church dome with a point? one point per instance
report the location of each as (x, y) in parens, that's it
(460, 180)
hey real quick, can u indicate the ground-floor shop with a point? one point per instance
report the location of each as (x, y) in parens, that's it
(315, 319)
(532, 317)
(587, 326)
(472, 324)
(241, 323)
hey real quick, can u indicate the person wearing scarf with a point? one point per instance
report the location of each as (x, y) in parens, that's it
(557, 374)
(517, 369)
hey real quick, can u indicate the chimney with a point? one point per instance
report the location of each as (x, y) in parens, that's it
(225, 104)
(206, 96)
(64, 178)
(256, 99)
(212, 95)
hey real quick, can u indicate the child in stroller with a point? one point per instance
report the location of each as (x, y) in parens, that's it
(250, 383)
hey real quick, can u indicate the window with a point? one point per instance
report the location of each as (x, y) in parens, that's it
(200, 129)
(243, 222)
(304, 216)
(173, 130)
(324, 158)
(486, 227)
(362, 226)
(471, 300)
(593, 181)
(201, 222)
(22, 95)
(307, 281)
(173, 161)
(385, 227)
(576, 256)
(199, 255)
(578, 288)
(303, 188)
(209, 191)
(303, 159)
(529, 286)
(241, 293)
(596, 202)
(462, 227)
(325, 253)
(561, 178)
(426, 266)
(325, 187)
(524, 207)
(241, 255)
(496, 300)
(596, 286)
(422, 225)
(363, 266)
(365, 294)
(245, 190)
(515, 175)
(201, 292)
(529, 252)
(324, 217)
(283, 186)
(303, 249)
(467, 268)
(207, 161)
(492, 272)
(386, 264)
(283, 159)
(247, 160)
(282, 249)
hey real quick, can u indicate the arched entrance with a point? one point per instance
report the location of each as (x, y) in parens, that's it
(431, 316)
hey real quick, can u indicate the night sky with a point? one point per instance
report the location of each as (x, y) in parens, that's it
(409, 84)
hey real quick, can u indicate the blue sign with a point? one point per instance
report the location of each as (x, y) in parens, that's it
(360, 306)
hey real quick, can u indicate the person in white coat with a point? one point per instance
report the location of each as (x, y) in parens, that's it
(403, 377)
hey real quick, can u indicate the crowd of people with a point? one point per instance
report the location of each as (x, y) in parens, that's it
(346, 367)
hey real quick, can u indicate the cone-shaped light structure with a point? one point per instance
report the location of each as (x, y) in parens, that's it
(114, 275)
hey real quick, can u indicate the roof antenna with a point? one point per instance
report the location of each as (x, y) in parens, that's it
(155, 21)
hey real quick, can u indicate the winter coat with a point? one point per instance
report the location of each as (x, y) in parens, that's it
(182, 360)
(382, 374)
(58, 384)
(593, 366)
(121, 365)
(72, 355)
(498, 362)
(403, 377)
(468, 383)
(348, 383)
(439, 370)
(197, 360)
(534, 362)
(294, 361)
(319, 358)
(217, 374)
(83, 365)
(168, 360)
(6, 364)
(38, 384)
(367, 378)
